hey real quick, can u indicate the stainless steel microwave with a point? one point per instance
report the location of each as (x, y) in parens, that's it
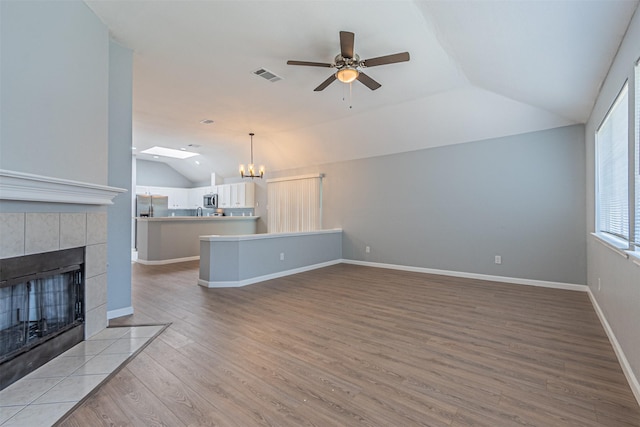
(210, 201)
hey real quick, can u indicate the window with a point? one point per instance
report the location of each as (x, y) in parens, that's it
(612, 177)
(618, 170)
(295, 204)
(637, 158)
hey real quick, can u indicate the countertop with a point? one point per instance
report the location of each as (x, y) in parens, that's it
(197, 218)
(264, 236)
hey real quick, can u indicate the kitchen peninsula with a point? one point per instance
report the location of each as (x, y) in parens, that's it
(165, 240)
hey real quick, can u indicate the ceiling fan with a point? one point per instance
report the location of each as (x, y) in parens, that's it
(350, 66)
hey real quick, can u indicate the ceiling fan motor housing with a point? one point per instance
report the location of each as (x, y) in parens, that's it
(341, 62)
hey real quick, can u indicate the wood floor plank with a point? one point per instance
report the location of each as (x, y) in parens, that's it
(142, 406)
(352, 345)
(99, 409)
(189, 406)
(207, 377)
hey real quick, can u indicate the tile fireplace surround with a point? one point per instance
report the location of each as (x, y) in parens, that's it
(27, 233)
(50, 227)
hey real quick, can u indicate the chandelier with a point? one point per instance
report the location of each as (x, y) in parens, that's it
(250, 172)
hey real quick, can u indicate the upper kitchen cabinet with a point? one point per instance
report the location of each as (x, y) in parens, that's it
(240, 195)
(243, 195)
(148, 190)
(197, 194)
(178, 198)
(224, 196)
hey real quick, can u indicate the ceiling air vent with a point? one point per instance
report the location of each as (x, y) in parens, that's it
(266, 74)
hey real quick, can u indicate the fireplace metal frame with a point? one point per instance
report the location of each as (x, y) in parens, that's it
(14, 271)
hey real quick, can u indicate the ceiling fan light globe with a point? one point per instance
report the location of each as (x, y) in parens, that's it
(347, 75)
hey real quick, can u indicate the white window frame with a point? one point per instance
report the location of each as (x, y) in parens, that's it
(634, 164)
(629, 247)
(619, 241)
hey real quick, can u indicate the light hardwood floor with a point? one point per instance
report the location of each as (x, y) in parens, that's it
(349, 345)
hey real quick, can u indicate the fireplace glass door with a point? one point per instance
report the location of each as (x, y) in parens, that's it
(38, 308)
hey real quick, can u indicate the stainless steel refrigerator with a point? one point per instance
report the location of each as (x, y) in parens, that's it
(153, 205)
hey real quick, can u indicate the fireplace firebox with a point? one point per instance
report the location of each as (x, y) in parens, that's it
(41, 310)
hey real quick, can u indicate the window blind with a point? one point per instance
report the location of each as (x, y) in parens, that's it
(295, 204)
(612, 141)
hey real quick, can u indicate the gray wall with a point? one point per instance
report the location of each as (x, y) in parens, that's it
(456, 207)
(619, 293)
(158, 174)
(66, 113)
(120, 175)
(236, 261)
(55, 88)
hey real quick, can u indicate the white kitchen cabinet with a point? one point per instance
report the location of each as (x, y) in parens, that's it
(224, 196)
(249, 196)
(196, 195)
(167, 191)
(242, 195)
(142, 189)
(195, 201)
(178, 198)
(239, 195)
(149, 190)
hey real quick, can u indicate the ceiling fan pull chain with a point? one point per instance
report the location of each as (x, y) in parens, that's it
(351, 95)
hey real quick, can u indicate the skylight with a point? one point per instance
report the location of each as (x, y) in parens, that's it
(169, 152)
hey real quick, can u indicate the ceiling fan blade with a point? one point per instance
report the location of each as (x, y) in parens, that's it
(310, 64)
(368, 81)
(388, 59)
(346, 44)
(325, 83)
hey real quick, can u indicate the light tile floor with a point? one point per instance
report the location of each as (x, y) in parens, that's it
(47, 394)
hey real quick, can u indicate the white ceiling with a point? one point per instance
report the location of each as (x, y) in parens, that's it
(478, 69)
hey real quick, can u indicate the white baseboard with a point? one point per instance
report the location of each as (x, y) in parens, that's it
(514, 280)
(113, 314)
(167, 261)
(252, 280)
(622, 359)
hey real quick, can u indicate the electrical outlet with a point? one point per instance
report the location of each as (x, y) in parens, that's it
(498, 259)
(281, 256)
(367, 249)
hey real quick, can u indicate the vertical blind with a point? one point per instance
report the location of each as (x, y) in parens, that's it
(612, 142)
(295, 204)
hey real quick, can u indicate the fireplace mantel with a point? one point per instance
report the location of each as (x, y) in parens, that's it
(27, 187)
(43, 214)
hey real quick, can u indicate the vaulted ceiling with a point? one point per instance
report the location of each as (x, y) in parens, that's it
(479, 69)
